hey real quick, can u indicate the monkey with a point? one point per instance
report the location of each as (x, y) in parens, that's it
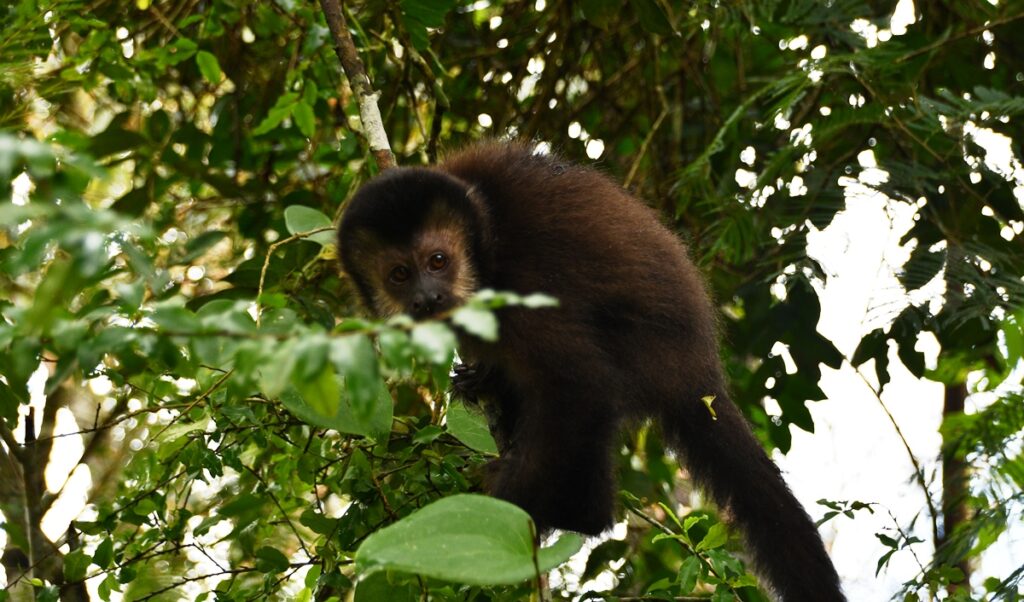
(634, 337)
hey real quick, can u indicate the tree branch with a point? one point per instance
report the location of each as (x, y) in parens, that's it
(369, 112)
(12, 444)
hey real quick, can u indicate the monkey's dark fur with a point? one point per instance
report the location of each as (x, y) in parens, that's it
(634, 338)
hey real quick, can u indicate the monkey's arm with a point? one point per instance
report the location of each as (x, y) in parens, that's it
(561, 410)
(484, 385)
(558, 462)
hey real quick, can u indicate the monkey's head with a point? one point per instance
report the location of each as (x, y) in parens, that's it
(413, 241)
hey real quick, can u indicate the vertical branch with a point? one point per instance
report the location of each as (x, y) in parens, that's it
(955, 480)
(955, 475)
(369, 112)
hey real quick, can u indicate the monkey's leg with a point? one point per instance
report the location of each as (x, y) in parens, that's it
(559, 465)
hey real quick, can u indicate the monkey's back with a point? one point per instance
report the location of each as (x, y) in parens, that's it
(571, 232)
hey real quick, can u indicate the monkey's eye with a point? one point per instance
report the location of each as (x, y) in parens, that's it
(399, 274)
(437, 261)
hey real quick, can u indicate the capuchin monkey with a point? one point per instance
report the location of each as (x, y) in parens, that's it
(633, 338)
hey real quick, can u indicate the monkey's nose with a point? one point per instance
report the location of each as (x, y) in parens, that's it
(427, 304)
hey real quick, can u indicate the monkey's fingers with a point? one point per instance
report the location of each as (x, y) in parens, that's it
(466, 383)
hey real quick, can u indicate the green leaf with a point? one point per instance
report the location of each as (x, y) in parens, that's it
(434, 341)
(208, 66)
(538, 300)
(652, 16)
(104, 553)
(9, 403)
(477, 321)
(427, 434)
(172, 318)
(182, 49)
(245, 504)
(271, 560)
(601, 12)
(716, 537)
(344, 419)
(688, 574)
(396, 350)
(470, 427)
(321, 393)
(466, 538)
(318, 522)
(75, 565)
(278, 113)
(872, 345)
(304, 118)
(300, 219)
(356, 361)
(419, 15)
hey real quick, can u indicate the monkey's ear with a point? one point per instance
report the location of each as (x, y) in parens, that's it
(358, 251)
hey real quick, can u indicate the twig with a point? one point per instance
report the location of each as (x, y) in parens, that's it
(182, 582)
(959, 36)
(11, 442)
(918, 471)
(266, 263)
(643, 147)
(202, 396)
(284, 515)
(369, 112)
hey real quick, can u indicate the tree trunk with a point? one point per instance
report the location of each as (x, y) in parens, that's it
(955, 481)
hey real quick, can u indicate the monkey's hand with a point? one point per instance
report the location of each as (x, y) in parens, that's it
(469, 382)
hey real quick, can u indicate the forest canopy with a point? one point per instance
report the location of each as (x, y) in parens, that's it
(193, 404)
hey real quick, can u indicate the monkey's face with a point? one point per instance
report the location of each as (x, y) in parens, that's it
(425, 278)
(410, 239)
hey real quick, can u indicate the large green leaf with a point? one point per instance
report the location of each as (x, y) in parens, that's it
(470, 427)
(467, 539)
(301, 219)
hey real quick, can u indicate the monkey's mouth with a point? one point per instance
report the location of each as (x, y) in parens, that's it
(429, 309)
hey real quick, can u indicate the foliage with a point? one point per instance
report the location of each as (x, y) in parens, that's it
(184, 162)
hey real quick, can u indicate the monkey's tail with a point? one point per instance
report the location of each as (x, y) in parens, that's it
(728, 462)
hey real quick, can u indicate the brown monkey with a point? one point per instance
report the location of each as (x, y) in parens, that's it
(633, 337)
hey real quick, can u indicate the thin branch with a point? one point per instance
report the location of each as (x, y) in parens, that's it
(202, 396)
(284, 515)
(918, 470)
(182, 582)
(369, 112)
(685, 545)
(643, 147)
(11, 442)
(963, 34)
(266, 263)
(116, 421)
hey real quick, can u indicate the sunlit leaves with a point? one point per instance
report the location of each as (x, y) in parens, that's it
(477, 321)
(223, 132)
